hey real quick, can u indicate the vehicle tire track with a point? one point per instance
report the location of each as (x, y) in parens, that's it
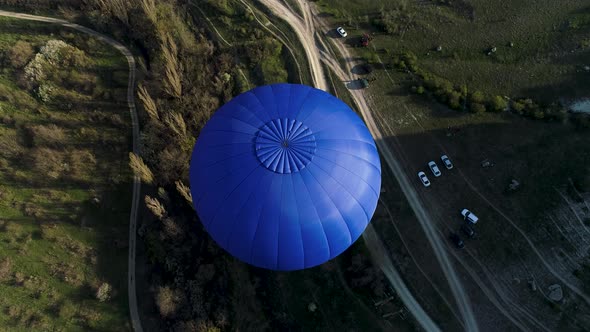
(573, 288)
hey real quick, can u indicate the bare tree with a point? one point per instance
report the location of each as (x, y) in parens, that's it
(155, 206)
(184, 191)
(117, 8)
(140, 168)
(148, 103)
(149, 8)
(176, 123)
(172, 80)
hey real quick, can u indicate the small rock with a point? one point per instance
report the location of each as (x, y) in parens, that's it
(555, 293)
(312, 307)
(439, 48)
(533, 284)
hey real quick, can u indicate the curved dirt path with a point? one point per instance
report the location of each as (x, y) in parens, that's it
(135, 125)
(306, 32)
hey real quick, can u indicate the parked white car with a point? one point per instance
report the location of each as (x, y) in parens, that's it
(424, 179)
(446, 161)
(434, 168)
(341, 32)
(469, 216)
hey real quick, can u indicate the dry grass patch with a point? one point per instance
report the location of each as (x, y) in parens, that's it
(48, 162)
(49, 136)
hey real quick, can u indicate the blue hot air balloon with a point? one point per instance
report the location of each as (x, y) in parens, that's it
(285, 177)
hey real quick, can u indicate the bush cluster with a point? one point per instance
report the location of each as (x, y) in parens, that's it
(459, 97)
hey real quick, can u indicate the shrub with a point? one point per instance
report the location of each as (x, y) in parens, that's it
(454, 99)
(50, 136)
(20, 54)
(167, 300)
(82, 162)
(498, 104)
(538, 114)
(45, 92)
(477, 108)
(518, 106)
(104, 292)
(5, 269)
(477, 97)
(48, 163)
(36, 70)
(52, 51)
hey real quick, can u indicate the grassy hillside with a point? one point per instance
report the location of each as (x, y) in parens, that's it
(64, 181)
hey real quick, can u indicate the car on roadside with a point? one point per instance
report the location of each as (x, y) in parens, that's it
(434, 168)
(422, 176)
(457, 240)
(341, 32)
(468, 231)
(469, 216)
(446, 161)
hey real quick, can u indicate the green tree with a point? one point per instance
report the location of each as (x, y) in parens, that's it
(454, 99)
(477, 97)
(518, 106)
(478, 108)
(498, 104)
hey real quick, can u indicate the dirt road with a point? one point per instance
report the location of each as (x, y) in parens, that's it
(306, 30)
(135, 125)
(304, 33)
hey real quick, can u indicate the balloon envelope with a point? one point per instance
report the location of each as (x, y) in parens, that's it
(285, 176)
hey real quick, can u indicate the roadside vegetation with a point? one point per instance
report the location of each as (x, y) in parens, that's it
(64, 181)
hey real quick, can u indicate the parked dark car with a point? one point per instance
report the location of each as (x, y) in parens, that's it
(468, 231)
(457, 241)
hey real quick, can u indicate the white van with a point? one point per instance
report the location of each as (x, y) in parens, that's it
(469, 216)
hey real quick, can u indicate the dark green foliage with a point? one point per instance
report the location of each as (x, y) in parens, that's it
(477, 108)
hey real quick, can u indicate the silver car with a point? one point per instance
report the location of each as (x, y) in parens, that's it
(341, 32)
(434, 168)
(424, 179)
(446, 161)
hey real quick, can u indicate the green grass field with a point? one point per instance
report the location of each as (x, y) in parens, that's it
(551, 42)
(550, 45)
(57, 244)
